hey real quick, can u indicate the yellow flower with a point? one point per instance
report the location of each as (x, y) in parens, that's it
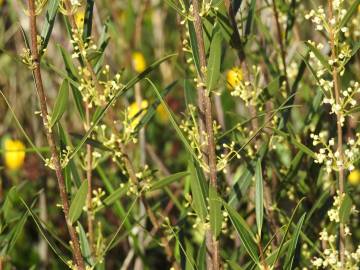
(79, 17)
(134, 112)
(234, 77)
(354, 177)
(138, 62)
(162, 114)
(14, 154)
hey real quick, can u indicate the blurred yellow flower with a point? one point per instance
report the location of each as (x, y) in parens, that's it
(138, 62)
(354, 177)
(79, 17)
(1, 2)
(234, 77)
(14, 154)
(134, 112)
(162, 114)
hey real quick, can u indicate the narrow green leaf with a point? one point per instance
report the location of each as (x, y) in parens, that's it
(114, 196)
(286, 232)
(354, 49)
(303, 148)
(345, 209)
(103, 42)
(168, 180)
(69, 65)
(224, 24)
(115, 236)
(321, 57)
(244, 233)
(214, 63)
(249, 20)
(45, 234)
(84, 245)
(272, 257)
(150, 112)
(72, 74)
(350, 12)
(215, 212)
(194, 47)
(259, 197)
(78, 202)
(290, 254)
(61, 103)
(313, 72)
(118, 208)
(236, 5)
(174, 6)
(201, 257)
(92, 142)
(317, 205)
(173, 122)
(49, 22)
(234, 266)
(88, 19)
(291, 16)
(198, 192)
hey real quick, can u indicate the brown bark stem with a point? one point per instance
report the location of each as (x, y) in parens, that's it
(337, 89)
(206, 113)
(50, 136)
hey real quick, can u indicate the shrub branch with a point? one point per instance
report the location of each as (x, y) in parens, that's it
(206, 114)
(50, 136)
(337, 89)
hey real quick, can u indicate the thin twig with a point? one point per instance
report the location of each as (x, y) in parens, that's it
(50, 136)
(206, 112)
(337, 89)
(281, 44)
(132, 174)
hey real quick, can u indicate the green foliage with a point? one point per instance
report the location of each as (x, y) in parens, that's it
(129, 107)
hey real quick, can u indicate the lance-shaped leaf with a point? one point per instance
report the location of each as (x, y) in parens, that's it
(259, 197)
(215, 212)
(78, 202)
(61, 103)
(345, 209)
(244, 232)
(48, 24)
(214, 63)
(322, 58)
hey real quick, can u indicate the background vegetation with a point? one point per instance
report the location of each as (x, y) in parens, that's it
(155, 134)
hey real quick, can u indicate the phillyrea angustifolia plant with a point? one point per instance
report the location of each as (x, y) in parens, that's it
(173, 134)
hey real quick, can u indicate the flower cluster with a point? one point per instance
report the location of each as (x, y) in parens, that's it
(91, 94)
(330, 255)
(197, 140)
(75, 4)
(144, 179)
(322, 23)
(331, 158)
(96, 200)
(324, 66)
(27, 59)
(248, 91)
